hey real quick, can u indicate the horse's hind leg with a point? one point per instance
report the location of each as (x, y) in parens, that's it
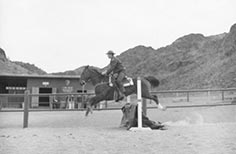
(96, 99)
(158, 103)
(93, 101)
(151, 97)
(155, 99)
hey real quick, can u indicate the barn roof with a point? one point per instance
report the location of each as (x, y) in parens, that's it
(41, 76)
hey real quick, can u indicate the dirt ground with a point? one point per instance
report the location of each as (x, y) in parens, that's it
(190, 130)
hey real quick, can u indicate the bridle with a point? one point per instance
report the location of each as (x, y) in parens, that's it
(83, 82)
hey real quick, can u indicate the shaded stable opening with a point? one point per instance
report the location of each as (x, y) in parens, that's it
(81, 99)
(11, 82)
(44, 100)
(12, 85)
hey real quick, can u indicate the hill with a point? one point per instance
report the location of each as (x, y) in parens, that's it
(192, 61)
(9, 67)
(77, 71)
(31, 68)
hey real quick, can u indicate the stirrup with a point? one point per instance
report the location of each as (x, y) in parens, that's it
(120, 97)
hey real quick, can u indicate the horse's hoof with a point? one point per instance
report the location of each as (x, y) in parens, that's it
(87, 112)
(164, 108)
(121, 98)
(88, 109)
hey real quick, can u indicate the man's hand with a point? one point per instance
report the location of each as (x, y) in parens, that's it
(104, 72)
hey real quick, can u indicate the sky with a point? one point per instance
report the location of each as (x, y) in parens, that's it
(60, 35)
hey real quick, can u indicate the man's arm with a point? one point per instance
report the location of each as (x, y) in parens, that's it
(112, 66)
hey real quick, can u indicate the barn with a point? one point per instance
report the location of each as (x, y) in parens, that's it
(38, 84)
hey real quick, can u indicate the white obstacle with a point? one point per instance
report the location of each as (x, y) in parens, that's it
(139, 97)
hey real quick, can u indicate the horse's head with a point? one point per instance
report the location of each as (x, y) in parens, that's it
(85, 76)
(90, 73)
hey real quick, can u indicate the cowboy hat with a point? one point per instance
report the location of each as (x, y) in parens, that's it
(110, 52)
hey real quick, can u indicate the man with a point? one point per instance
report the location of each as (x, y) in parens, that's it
(118, 71)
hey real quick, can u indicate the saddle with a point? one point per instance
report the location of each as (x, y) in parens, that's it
(127, 81)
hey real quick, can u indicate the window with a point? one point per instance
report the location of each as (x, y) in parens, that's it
(15, 90)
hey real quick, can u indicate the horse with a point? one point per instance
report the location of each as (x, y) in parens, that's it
(103, 90)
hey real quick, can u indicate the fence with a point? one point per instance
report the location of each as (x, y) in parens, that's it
(26, 104)
(187, 92)
(27, 97)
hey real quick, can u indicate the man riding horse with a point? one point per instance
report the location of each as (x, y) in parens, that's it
(117, 71)
(103, 91)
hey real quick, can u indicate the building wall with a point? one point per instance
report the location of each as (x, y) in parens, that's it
(53, 83)
(59, 85)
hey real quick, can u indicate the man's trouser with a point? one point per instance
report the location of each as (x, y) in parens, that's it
(119, 79)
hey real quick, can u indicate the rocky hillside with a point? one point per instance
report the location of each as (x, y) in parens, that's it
(2, 55)
(9, 67)
(77, 71)
(192, 61)
(31, 68)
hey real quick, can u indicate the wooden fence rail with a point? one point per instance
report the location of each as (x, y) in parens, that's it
(195, 91)
(26, 105)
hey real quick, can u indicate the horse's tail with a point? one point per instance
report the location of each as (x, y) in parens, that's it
(153, 81)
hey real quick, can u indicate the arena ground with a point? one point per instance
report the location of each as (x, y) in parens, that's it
(190, 130)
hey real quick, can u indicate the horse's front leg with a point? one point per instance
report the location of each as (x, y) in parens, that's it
(89, 108)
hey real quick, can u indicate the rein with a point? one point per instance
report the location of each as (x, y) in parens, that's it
(98, 75)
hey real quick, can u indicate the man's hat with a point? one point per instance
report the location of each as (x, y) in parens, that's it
(110, 52)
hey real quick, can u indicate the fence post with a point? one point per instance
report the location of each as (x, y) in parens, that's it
(177, 94)
(187, 96)
(223, 96)
(0, 103)
(144, 107)
(106, 104)
(26, 109)
(208, 96)
(83, 98)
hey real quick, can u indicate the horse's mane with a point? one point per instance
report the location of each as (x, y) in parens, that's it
(97, 70)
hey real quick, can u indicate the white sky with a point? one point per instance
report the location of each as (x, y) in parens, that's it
(60, 35)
